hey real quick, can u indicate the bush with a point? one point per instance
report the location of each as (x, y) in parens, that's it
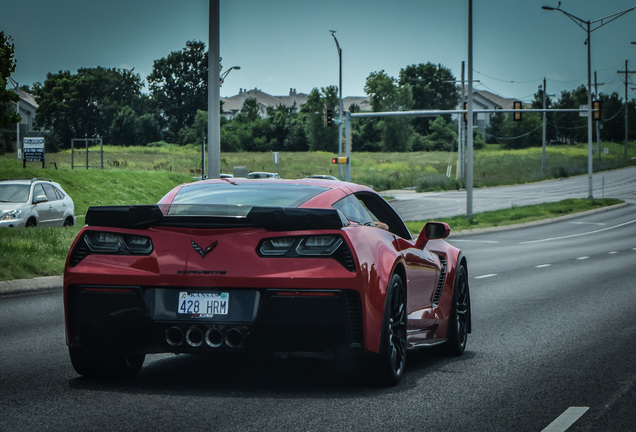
(436, 182)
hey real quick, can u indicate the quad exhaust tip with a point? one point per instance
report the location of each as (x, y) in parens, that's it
(213, 337)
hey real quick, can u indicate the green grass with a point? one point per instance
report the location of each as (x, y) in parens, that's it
(517, 215)
(28, 253)
(425, 171)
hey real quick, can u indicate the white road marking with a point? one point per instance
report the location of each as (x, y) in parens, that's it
(565, 420)
(475, 241)
(588, 223)
(579, 234)
(486, 276)
(613, 252)
(583, 258)
(543, 265)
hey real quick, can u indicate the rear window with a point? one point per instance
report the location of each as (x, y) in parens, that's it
(248, 194)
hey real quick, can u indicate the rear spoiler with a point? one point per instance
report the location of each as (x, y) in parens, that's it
(270, 218)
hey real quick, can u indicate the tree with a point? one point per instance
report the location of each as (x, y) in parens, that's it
(494, 129)
(432, 87)
(320, 137)
(148, 129)
(195, 133)
(522, 134)
(386, 95)
(613, 117)
(569, 126)
(286, 129)
(123, 130)
(178, 85)
(8, 114)
(86, 103)
(442, 137)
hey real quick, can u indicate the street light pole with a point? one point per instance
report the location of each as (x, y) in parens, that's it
(340, 113)
(587, 26)
(225, 74)
(469, 117)
(214, 93)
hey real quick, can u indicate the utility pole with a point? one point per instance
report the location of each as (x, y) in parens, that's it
(545, 95)
(462, 134)
(598, 131)
(626, 72)
(469, 120)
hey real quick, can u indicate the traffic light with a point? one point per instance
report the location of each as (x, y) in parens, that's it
(340, 160)
(596, 106)
(516, 116)
(328, 117)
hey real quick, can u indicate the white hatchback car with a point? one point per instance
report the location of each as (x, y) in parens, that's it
(34, 202)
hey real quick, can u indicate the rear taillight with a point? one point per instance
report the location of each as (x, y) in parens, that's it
(313, 246)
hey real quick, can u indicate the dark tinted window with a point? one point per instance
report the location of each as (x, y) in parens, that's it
(249, 194)
(50, 192)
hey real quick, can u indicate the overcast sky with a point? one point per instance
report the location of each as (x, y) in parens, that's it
(287, 44)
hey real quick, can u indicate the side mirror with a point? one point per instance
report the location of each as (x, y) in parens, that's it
(40, 199)
(432, 231)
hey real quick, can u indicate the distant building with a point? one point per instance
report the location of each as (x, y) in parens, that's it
(28, 108)
(483, 99)
(233, 105)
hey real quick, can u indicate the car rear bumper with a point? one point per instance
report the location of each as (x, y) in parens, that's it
(145, 320)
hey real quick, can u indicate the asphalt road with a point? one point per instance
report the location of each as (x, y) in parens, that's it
(619, 184)
(553, 344)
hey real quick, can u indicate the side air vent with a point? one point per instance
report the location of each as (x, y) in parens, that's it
(344, 256)
(80, 252)
(441, 281)
(354, 316)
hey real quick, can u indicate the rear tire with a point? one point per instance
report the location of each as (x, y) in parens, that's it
(97, 363)
(459, 320)
(390, 362)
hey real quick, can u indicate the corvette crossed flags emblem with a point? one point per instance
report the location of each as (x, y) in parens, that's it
(203, 252)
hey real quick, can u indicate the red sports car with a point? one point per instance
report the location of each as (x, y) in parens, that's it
(238, 266)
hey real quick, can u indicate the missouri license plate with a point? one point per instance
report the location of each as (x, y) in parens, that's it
(203, 305)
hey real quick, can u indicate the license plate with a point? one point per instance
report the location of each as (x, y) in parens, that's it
(203, 305)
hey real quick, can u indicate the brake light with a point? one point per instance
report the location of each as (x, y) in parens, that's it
(322, 245)
(314, 246)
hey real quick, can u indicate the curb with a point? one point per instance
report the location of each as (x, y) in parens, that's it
(19, 286)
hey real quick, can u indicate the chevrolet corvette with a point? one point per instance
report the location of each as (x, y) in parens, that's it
(277, 267)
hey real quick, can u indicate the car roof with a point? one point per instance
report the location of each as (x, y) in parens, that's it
(25, 180)
(331, 186)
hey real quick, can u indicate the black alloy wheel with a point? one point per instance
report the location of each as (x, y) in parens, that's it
(391, 360)
(459, 321)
